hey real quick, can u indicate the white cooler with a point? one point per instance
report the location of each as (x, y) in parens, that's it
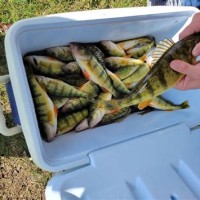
(143, 157)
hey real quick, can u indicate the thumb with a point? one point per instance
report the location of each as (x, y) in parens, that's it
(196, 50)
(192, 71)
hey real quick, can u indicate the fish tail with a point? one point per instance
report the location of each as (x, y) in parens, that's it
(185, 105)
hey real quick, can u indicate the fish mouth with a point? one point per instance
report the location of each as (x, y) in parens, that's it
(31, 60)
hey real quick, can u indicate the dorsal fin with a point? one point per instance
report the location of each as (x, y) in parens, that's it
(161, 48)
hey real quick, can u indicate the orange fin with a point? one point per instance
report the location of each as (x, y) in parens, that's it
(87, 76)
(143, 58)
(144, 104)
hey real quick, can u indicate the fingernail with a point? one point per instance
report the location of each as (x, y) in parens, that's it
(173, 64)
(195, 52)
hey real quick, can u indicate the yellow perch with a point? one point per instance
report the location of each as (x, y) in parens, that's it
(45, 109)
(69, 121)
(59, 88)
(46, 65)
(163, 104)
(92, 67)
(161, 77)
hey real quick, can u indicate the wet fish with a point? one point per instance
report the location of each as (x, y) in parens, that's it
(136, 76)
(45, 109)
(112, 49)
(164, 104)
(61, 53)
(124, 72)
(113, 63)
(69, 121)
(73, 79)
(97, 112)
(58, 101)
(118, 84)
(91, 66)
(83, 125)
(91, 88)
(46, 65)
(72, 68)
(127, 44)
(149, 57)
(113, 117)
(140, 50)
(74, 104)
(161, 77)
(59, 88)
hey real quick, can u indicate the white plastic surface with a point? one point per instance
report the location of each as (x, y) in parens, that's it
(72, 149)
(162, 165)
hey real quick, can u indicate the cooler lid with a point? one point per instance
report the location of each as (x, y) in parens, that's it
(164, 164)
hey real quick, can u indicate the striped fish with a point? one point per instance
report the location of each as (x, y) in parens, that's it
(127, 44)
(92, 67)
(112, 49)
(69, 121)
(45, 109)
(97, 112)
(114, 63)
(59, 88)
(161, 103)
(136, 76)
(161, 77)
(46, 65)
(74, 104)
(140, 50)
(61, 53)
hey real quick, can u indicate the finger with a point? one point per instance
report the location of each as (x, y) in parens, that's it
(189, 30)
(196, 50)
(186, 84)
(193, 27)
(192, 71)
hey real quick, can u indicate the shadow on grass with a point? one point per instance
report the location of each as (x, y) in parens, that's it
(15, 145)
(3, 65)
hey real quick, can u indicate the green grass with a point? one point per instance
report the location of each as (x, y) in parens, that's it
(14, 155)
(10, 11)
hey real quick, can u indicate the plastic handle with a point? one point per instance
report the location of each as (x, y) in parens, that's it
(4, 130)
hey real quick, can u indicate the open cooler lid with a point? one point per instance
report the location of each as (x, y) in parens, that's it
(71, 151)
(164, 164)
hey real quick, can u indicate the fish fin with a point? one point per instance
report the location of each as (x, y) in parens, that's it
(143, 58)
(185, 105)
(161, 48)
(87, 76)
(143, 104)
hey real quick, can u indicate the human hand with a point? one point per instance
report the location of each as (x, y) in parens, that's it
(192, 72)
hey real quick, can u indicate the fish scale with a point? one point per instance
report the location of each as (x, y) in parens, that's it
(161, 77)
(92, 67)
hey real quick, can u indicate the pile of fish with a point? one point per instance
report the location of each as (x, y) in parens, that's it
(84, 85)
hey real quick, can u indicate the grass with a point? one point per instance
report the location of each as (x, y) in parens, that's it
(20, 177)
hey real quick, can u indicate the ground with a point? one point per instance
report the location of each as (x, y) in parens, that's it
(20, 177)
